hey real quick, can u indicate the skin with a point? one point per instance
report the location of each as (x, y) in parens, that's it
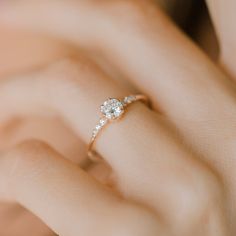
(173, 166)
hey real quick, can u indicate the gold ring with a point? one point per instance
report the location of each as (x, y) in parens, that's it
(112, 109)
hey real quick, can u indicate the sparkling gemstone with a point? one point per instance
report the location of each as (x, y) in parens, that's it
(98, 127)
(112, 108)
(129, 99)
(103, 121)
(95, 132)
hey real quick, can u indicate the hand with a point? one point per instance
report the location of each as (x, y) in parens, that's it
(172, 161)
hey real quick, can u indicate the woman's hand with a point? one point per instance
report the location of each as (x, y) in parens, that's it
(173, 167)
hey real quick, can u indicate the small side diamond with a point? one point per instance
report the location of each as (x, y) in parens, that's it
(129, 99)
(98, 127)
(95, 132)
(103, 121)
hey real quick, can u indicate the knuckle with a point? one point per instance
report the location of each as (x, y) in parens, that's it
(23, 159)
(73, 73)
(73, 68)
(65, 69)
(21, 162)
(72, 79)
(28, 149)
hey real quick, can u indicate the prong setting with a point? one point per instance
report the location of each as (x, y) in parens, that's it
(112, 109)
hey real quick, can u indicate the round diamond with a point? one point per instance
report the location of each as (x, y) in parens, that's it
(112, 108)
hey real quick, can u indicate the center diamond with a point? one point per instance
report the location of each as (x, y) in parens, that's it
(112, 108)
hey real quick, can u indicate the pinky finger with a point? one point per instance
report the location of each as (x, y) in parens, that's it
(67, 199)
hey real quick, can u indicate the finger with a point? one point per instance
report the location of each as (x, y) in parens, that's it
(139, 40)
(16, 220)
(23, 51)
(140, 143)
(149, 76)
(52, 131)
(145, 46)
(223, 14)
(66, 198)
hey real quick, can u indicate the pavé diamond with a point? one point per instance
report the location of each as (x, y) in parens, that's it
(95, 132)
(98, 127)
(112, 108)
(103, 121)
(129, 99)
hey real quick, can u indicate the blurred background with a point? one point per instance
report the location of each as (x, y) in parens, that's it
(193, 17)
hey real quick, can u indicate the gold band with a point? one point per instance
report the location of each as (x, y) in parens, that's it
(112, 109)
